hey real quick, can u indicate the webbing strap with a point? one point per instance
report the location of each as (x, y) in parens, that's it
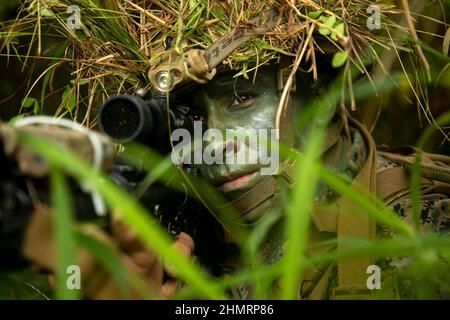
(286, 121)
(254, 197)
(436, 170)
(325, 218)
(318, 288)
(354, 223)
(333, 135)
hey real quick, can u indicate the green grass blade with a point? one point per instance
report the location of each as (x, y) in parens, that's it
(63, 231)
(298, 212)
(128, 210)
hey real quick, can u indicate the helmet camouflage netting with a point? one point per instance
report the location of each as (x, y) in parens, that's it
(118, 42)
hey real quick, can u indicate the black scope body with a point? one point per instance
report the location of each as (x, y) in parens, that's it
(127, 118)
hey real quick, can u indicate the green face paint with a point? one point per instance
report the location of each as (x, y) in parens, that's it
(237, 103)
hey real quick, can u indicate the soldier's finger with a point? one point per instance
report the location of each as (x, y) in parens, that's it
(170, 288)
(126, 238)
(183, 244)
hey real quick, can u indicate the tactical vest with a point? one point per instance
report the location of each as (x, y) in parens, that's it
(390, 185)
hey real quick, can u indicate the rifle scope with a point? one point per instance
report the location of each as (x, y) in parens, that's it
(126, 118)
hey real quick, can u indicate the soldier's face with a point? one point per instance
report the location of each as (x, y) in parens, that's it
(235, 104)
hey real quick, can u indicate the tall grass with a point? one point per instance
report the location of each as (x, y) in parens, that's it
(430, 251)
(118, 65)
(64, 237)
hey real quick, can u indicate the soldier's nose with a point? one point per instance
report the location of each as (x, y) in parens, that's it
(231, 146)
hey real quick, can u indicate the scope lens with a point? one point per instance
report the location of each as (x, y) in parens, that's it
(121, 119)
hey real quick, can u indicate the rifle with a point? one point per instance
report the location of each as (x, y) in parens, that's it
(122, 119)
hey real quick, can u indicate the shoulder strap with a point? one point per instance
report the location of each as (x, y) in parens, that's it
(433, 166)
(354, 223)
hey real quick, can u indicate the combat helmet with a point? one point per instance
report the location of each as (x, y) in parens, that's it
(163, 44)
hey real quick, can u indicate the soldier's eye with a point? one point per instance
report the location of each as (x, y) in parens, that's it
(242, 101)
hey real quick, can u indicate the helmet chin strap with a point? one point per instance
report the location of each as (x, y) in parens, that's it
(283, 121)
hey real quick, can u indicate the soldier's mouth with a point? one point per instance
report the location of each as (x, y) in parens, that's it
(238, 183)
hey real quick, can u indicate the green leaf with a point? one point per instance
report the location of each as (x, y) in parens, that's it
(68, 98)
(46, 13)
(314, 14)
(28, 102)
(330, 21)
(324, 31)
(339, 28)
(339, 59)
(36, 106)
(298, 213)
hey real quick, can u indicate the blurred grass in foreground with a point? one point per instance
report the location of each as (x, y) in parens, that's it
(430, 252)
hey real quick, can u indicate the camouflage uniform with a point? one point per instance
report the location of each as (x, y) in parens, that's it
(435, 216)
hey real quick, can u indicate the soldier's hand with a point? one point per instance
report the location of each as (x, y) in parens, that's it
(142, 261)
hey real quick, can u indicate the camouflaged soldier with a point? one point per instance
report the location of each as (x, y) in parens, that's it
(230, 103)
(275, 98)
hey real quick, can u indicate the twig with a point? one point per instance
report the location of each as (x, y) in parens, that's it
(148, 13)
(287, 86)
(409, 19)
